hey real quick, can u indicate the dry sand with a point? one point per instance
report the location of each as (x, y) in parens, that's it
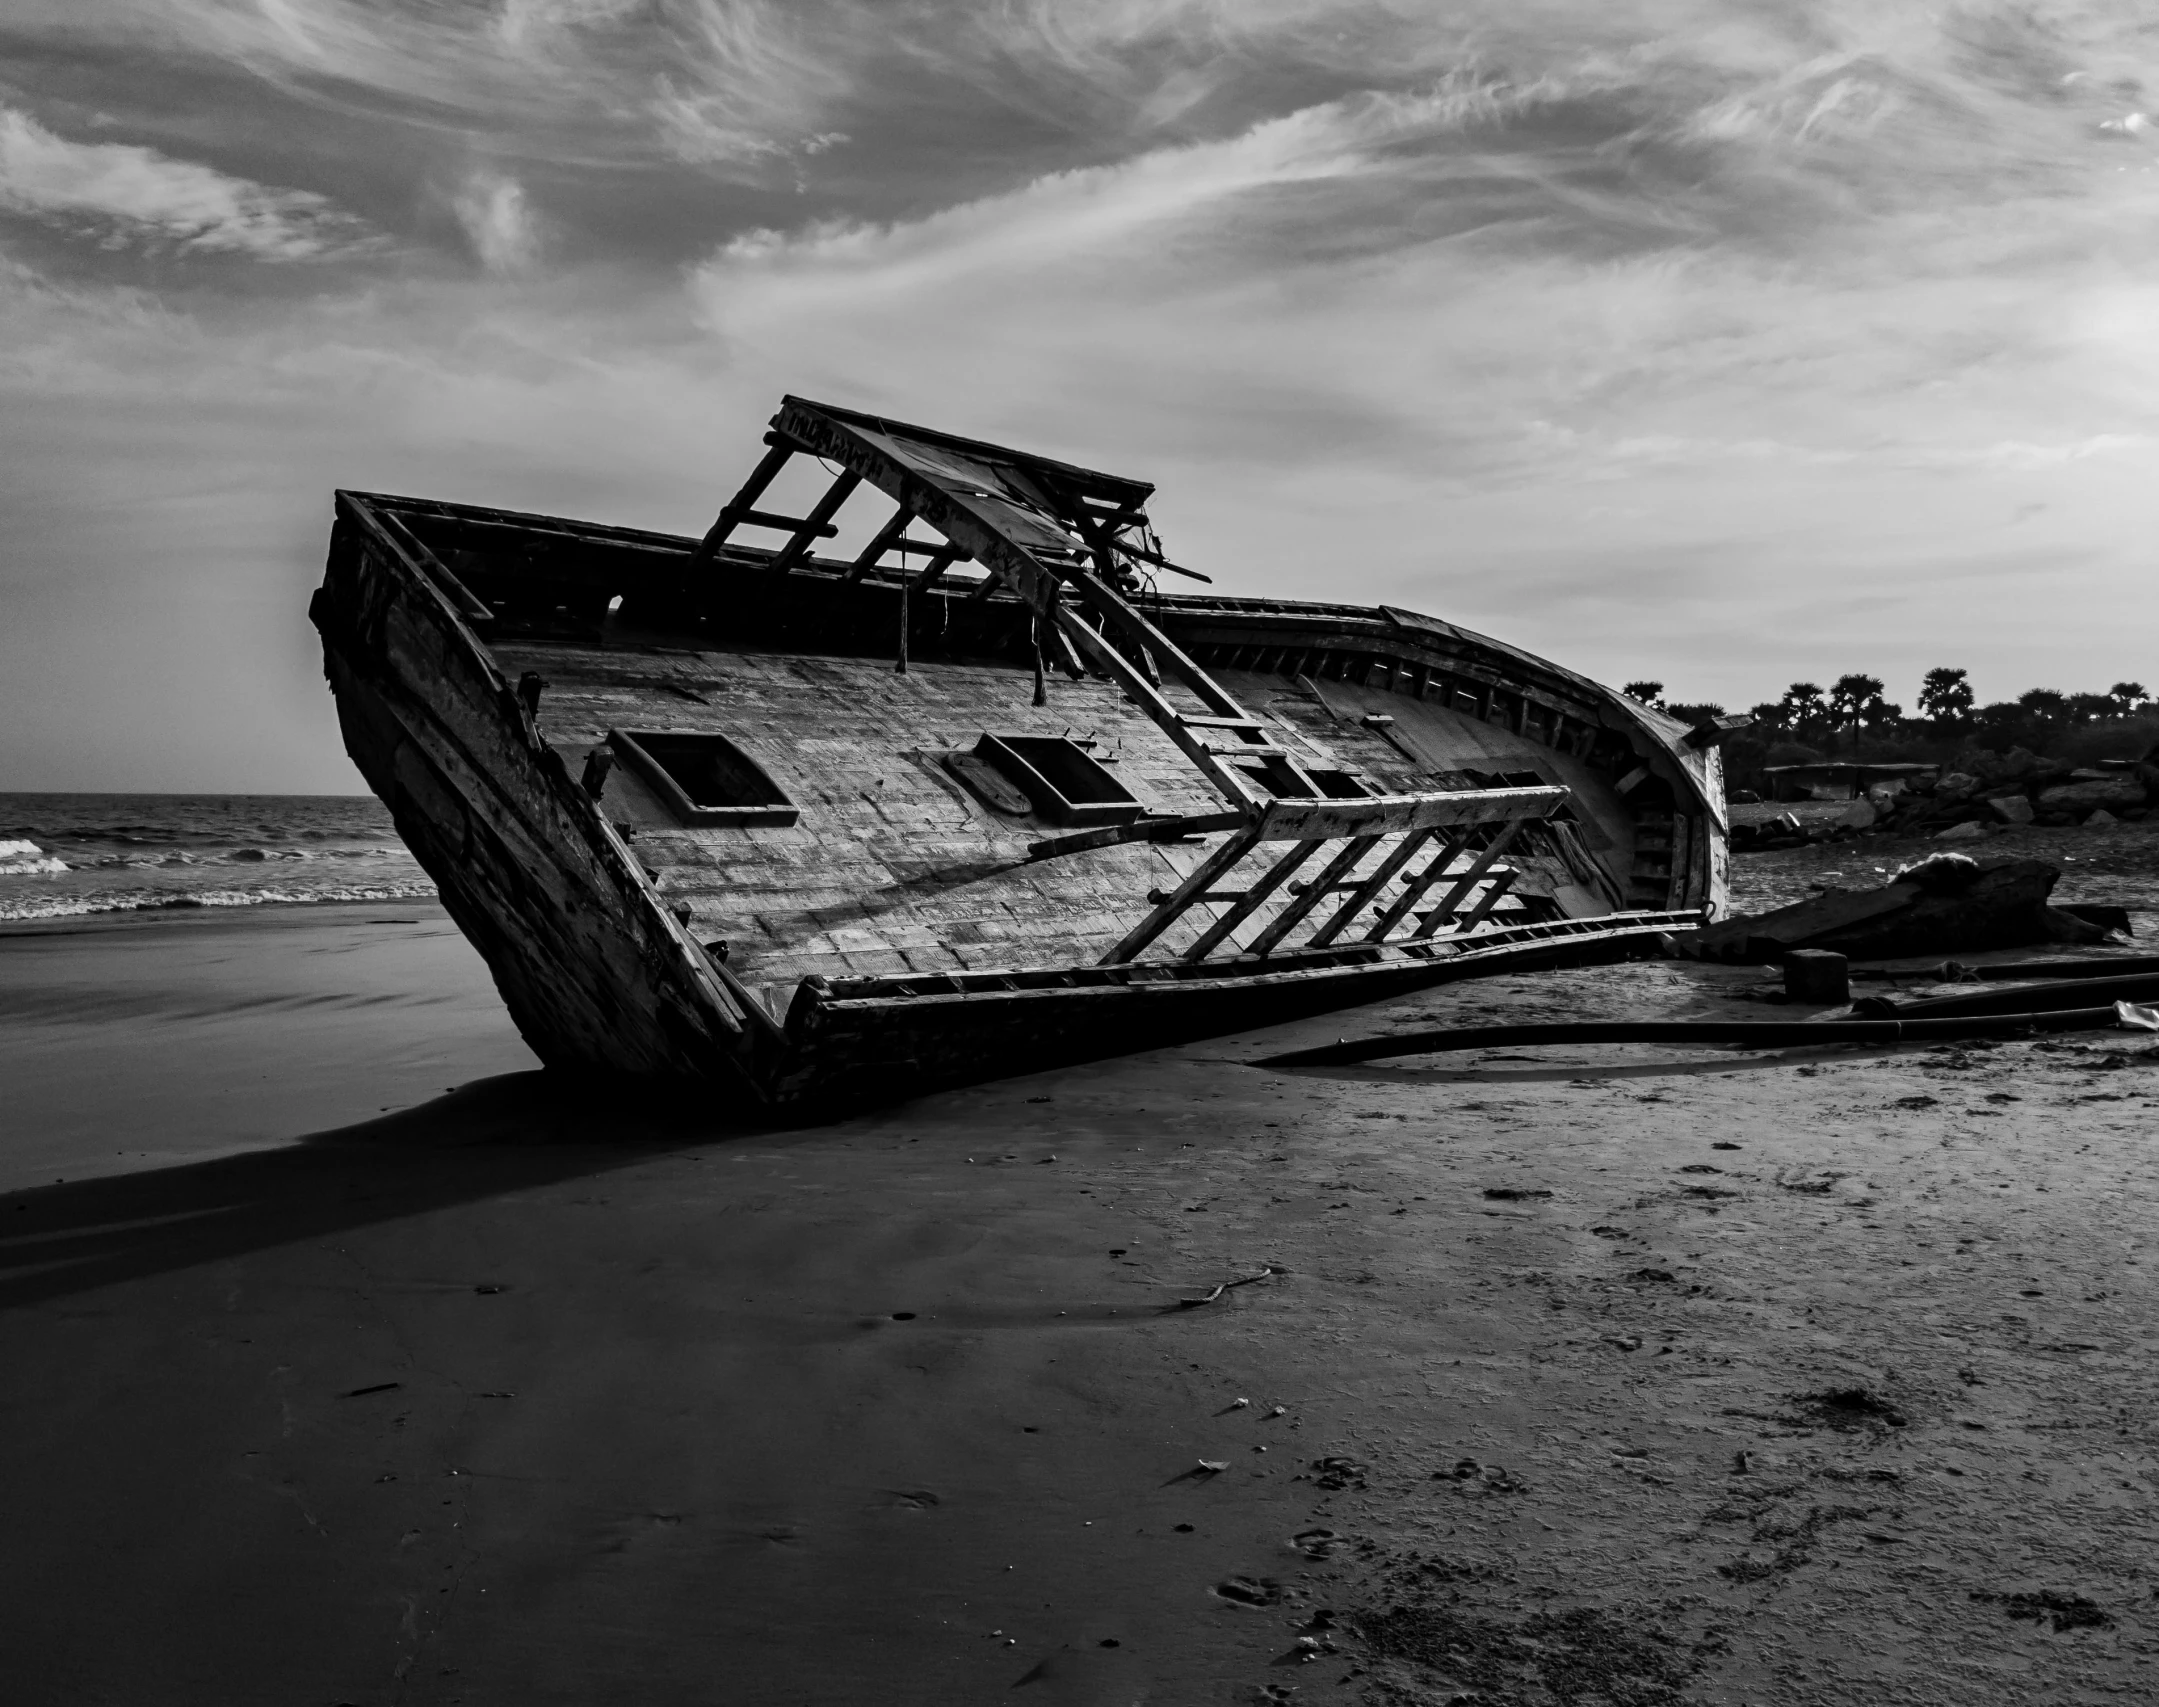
(497, 1398)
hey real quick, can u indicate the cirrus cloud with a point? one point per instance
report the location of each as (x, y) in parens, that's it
(139, 196)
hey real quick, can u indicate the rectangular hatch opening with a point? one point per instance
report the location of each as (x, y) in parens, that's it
(1062, 780)
(704, 779)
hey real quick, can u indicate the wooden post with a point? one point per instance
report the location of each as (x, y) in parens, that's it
(901, 667)
(598, 763)
(1042, 686)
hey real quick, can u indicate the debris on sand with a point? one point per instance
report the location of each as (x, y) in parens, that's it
(1946, 904)
(1225, 1286)
(2067, 1611)
(1849, 1407)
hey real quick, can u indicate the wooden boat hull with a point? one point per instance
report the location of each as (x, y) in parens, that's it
(878, 947)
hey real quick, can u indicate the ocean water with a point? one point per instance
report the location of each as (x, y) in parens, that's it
(63, 855)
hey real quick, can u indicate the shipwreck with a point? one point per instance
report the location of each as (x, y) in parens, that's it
(978, 797)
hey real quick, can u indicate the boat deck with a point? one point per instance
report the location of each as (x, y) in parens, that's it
(895, 869)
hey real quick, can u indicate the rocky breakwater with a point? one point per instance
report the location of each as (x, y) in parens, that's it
(1983, 791)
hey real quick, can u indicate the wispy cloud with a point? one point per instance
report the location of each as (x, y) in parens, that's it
(131, 195)
(718, 83)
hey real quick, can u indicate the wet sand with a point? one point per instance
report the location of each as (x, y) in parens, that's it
(497, 1397)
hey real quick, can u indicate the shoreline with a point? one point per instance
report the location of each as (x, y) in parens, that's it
(207, 1030)
(185, 911)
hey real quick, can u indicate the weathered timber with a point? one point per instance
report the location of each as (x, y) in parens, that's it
(862, 922)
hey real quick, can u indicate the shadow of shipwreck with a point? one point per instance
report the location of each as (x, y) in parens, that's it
(496, 1136)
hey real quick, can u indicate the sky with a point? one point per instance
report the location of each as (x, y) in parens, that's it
(1719, 342)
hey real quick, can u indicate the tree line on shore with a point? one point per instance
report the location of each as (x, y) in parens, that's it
(1850, 719)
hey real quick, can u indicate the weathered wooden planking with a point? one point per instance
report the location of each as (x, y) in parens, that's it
(1318, 820)
(864, 1048)
(594, 972)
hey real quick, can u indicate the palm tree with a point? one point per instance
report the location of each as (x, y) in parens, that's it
(1945, 699)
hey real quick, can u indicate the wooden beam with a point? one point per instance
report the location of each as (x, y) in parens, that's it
(1139, 830)
(1067, 659)
(1111, 609)
(1380, 814)
(1500, 884)
(1251, 901)
(941, 558)
(813, 525)
(392, 530)
(1233, 849)
(1328, 882)
(1345, 915)
(1469, 880)
(1234, 787)
(783, 524)
(1718, 730)
(902, 519)
(775, 459)
(1435, 868)
(1161, 562)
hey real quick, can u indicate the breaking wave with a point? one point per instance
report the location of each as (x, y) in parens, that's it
(26, 859)
(64, 856)
(18, 908)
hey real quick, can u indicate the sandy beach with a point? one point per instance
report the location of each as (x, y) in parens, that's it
(1584, 1378)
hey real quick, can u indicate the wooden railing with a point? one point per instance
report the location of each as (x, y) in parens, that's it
(1441, 829)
